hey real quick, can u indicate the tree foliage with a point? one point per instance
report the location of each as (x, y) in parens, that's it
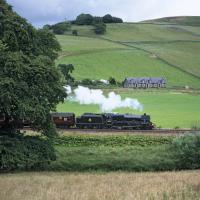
(25, 153)
(110, 19)
(112, 81)
(66, 71)
(30, 84)
(75, 32)
(99, 28)
(84, 19)
(60, 28)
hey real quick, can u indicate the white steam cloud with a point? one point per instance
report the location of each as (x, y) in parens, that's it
(68, 89)
(86, 96)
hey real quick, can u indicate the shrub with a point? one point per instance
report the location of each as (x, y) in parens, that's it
(25, 153)
(60, 28)
(187, 151)
(99, 28)
(75, 32)
(112, 81)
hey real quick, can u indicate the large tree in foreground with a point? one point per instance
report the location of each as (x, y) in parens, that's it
(30, 84)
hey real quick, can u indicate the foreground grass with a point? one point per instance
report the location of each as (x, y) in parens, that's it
(101, 186)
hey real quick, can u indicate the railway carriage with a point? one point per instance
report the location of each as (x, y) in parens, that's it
(63, 120)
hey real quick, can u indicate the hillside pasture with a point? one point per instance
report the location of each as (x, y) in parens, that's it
(132, 32)
(184, 55)
(75, 45)
(181, 20)
(121, 63)
(167, 109)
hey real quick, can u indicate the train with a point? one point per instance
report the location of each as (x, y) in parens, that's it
(68, 120)
(103, 121)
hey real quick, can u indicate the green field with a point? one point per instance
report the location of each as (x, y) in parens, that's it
(133, 32)
(167, 108)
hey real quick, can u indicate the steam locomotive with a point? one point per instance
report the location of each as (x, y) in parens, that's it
(95, 121)
(102, 121)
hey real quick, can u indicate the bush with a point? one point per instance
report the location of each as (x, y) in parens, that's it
(25, 153)
(187, 151)
(112, 81)
(75, 32)
(60, 28)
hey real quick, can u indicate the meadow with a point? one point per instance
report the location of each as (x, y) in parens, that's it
(101, 186)
(168, 109)
(181, 54)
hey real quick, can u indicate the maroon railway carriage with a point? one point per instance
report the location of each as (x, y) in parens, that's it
(63, 120)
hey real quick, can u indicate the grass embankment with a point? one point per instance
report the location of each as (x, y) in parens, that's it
(168, 109)
(106, 186)
(110, 153)
(125, 153)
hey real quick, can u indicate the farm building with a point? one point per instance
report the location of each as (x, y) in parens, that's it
(144, 82)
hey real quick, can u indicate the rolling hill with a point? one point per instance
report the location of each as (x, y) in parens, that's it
(182, 20)
(136, 49)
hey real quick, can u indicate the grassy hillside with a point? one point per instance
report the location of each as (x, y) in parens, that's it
(125, 63)
(183, 20)
(131, 49)
(129, 32)
(181, 54)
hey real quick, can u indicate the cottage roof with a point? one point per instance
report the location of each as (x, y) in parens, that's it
(145, 80)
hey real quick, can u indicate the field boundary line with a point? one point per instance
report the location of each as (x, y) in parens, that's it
(158, 57)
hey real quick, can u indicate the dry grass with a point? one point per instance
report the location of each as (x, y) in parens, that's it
(107, 186)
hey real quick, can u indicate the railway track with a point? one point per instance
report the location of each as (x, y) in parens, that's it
(158, 131)
(154, 131)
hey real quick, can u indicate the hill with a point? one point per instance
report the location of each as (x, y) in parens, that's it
(182, 20)
(135, 49)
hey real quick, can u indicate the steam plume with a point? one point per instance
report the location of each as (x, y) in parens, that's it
(86, 96)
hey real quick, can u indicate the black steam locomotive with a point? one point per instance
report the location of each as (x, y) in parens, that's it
(102, 121)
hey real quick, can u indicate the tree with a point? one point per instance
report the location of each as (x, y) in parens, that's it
(60, 28)
(75, 32)
(112, 81)
(84, 19)
(97, 20)
(117, 20)
(107, 18)
(66, 70)
(30, 84)
(99, 28)
(46, 27)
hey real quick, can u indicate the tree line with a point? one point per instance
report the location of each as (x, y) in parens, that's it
(99, 23)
